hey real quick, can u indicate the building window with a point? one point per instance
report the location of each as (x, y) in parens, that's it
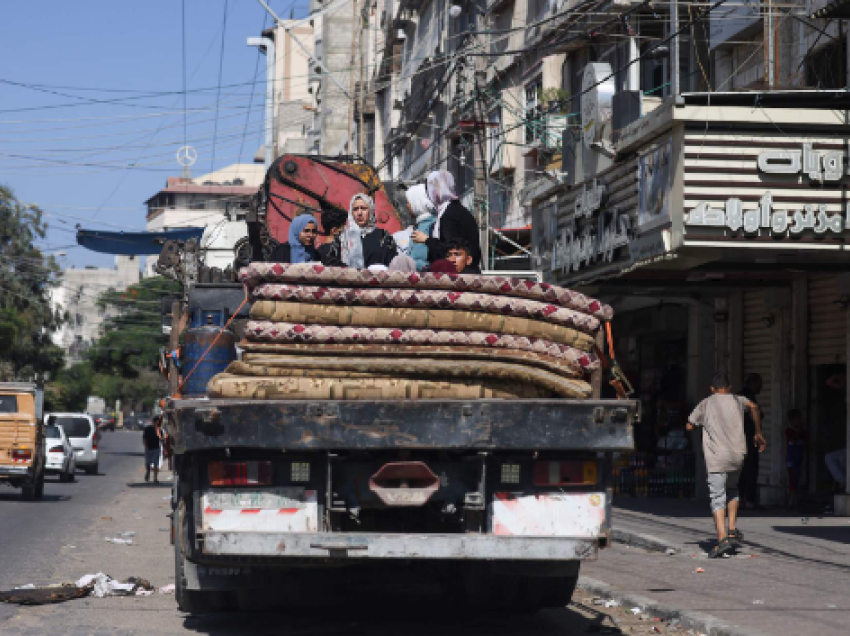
(500, 194)
(823, 67)
(534, 126)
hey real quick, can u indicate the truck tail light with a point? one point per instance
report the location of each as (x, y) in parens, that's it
(565, 473)
(57, 449)
(22, 454)
(94, 444)
(253, 473)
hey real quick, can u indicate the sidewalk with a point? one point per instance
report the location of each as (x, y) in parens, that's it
(791, 576)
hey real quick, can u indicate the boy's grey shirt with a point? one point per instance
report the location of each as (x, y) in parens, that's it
(723, 442)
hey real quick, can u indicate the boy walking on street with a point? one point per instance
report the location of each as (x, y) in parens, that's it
(724, 446)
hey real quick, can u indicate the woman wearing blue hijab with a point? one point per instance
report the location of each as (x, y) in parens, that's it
(300, 249)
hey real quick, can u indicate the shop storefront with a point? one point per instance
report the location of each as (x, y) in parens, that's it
(718, 231)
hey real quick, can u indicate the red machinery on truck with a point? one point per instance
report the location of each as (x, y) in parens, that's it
(499, 499)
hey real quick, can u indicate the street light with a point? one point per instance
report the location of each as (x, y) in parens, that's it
(266, 45)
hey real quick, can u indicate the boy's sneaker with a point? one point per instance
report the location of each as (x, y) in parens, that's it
(723, 547)
(736, 536)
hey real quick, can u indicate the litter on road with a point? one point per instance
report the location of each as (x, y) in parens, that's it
(118, 540)
(43, 595)
(104, 585)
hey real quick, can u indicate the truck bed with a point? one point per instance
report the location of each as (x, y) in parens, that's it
(560, 424)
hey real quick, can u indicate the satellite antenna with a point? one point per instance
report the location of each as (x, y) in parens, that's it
(186, 157)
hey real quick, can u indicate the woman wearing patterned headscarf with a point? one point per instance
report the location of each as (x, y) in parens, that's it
(363, 242)
(453, 221)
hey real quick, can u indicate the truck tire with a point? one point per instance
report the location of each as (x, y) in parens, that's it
(28, 492)
(39, 488)
(550, 591)
(91, 470)
(192, 601)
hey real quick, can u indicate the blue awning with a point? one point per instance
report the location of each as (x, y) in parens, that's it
(133, 243)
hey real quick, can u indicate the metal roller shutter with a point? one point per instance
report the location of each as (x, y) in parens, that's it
(827, 336)
(758, 351)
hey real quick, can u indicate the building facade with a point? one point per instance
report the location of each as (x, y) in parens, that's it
(204, 201)
(715, 222)
(76, 297)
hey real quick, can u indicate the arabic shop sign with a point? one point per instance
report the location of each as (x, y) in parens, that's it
(780, 222)
(589, 200)
(579, 247)
(819, 166)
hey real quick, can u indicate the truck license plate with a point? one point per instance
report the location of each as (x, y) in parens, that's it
(267, 510)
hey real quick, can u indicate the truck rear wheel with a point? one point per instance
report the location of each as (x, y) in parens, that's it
(192, 601)
(28, 492)
(550, 591)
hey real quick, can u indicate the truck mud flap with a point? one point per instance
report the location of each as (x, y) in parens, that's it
(341, 546)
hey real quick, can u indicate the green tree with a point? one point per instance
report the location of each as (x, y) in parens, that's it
(125, 361)
(27, 276)
(133, 334)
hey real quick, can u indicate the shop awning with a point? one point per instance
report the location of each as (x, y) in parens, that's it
(133, 243)
(836, 10)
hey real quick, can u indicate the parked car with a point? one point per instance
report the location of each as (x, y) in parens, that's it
(104, 422)
(83, 435)
(60, 455)
(142, 420)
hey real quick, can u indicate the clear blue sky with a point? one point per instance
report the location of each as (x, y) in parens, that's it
(96, 163)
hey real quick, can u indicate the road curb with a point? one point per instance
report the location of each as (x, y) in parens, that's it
(645, 541)
(698, 621)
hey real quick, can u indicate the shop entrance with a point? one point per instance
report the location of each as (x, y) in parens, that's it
(656, 350)
(826, 423)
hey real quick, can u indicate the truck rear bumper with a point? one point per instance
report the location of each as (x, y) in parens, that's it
(582, 425)
(325, 545)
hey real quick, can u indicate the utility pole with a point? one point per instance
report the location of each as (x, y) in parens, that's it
(770, 53)
(478, 113)
(351, 70)
(362, 93)
(482, 209)
(674, 51)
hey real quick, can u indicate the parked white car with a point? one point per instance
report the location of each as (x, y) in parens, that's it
(59, 454)
(83, 435)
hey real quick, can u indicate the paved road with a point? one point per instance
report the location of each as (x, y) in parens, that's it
(34, 532)
(62, 538)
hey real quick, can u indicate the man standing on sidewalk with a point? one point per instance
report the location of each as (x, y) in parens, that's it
(150, 440)
(724, 446)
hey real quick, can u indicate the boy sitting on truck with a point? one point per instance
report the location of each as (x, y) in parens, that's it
(458, 252)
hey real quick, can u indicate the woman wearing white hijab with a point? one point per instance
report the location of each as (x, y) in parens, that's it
(425, 214)
(453, 222)
(363, 242)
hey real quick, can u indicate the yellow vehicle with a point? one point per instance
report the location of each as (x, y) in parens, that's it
(22, 438)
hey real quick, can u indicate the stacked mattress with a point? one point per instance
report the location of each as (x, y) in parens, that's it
(320, 332)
